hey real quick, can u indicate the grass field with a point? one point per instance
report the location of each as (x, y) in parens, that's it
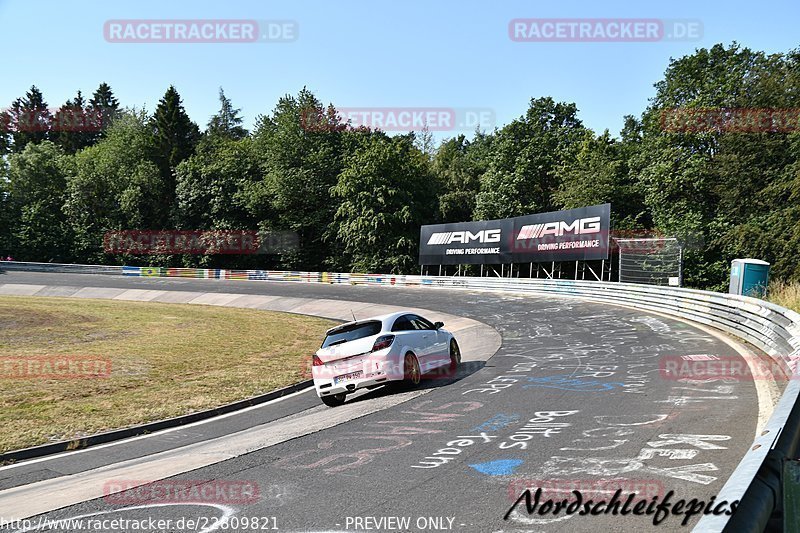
(165, 360)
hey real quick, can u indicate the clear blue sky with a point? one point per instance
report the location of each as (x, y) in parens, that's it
(378, 53)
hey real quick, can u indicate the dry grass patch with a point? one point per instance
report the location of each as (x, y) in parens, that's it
(785, 294)
(166, 360)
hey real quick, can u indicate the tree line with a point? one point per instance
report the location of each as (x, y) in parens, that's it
(357, 196)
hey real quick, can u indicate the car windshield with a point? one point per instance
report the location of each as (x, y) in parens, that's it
(352, 332)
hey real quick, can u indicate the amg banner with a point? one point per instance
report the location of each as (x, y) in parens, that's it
(558, 236)
(466, 243)
(562, 235)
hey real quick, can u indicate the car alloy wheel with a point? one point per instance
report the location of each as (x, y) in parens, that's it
(411, 372)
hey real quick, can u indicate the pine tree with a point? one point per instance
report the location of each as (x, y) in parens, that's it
(30, 119)
(175, 137)
(73, 126)
(226, 124)
(5, 133)
(104, 108)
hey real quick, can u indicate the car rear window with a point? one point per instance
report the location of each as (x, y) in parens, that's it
(352, 332)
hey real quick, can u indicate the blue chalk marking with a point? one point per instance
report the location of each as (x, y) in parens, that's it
(497, 422)
(572, 384)
(501, 467)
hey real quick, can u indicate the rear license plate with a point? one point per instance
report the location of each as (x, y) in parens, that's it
(348, 377)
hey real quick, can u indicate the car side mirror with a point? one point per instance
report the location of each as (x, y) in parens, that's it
(438, 325)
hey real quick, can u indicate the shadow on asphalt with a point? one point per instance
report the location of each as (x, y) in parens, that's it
(432, 380)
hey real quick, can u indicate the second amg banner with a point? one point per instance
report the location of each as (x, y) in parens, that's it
(574, 234)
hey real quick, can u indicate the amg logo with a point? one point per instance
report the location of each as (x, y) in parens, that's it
(581, 226)
(464, 237)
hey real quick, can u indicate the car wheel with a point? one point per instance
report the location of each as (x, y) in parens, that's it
(411, 371)
(455, 355)
(334, 400)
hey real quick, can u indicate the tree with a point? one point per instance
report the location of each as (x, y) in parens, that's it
(300, 148)
(386, 193)
(5, 133)
(213, 192)
(74, 125)
(715, 186)
(29, 119)
(458, 166)
(226, 124)
(36, 190)
(425, 142)
(104, 108)
(521, 177)
(116, 185)
(175, 138)
(6, 216)
(598, 175)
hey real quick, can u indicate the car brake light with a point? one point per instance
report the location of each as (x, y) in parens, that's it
(384, 341)
(316, 361)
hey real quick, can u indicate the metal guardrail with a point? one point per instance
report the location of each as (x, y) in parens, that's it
(60, 267)
(756, 482)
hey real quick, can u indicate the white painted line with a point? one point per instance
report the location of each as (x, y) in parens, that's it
(48, 495)
(227, 512)
(155, 434)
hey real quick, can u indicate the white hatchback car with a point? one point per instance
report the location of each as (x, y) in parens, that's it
(368, 353)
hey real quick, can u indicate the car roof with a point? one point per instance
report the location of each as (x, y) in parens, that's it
(384, 319)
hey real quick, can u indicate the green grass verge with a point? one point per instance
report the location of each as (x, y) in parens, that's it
(166, 360)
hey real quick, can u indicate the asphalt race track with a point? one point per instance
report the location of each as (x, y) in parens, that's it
(574, 398)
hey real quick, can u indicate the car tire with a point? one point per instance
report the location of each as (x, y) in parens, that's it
(411, 371)
(333, 400)
(455, 356)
